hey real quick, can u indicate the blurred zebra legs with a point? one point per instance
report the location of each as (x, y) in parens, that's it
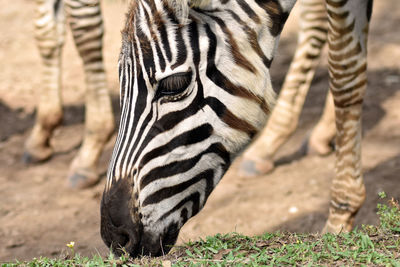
(258, 158)
(84, 18)
(347, 39)
(86, 23)
(49, 34)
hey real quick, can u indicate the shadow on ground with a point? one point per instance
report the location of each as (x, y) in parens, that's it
(383, 178)
(17, 121)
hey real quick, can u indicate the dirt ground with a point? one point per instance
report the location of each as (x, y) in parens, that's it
(39, 215)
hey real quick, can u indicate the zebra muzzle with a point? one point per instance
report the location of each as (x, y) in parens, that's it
(118, 229)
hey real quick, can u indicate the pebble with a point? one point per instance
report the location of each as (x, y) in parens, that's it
(293, 209)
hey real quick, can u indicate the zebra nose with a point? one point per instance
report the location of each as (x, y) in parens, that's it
(120, 239)
(119, 232)
(117, 228)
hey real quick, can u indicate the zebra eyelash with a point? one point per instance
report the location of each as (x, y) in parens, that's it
(174, 85)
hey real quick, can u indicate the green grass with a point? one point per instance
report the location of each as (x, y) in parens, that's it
(368, 246)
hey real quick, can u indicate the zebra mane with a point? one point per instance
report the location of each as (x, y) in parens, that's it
(179, 7)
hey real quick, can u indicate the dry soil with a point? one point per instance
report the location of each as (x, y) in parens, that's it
(39, 215)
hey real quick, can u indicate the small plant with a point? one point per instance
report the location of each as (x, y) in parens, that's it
(389, 215)
(71, 246)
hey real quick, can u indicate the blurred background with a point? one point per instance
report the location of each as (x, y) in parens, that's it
(39, 215)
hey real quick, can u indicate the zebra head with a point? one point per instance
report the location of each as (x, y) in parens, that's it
(195, 89)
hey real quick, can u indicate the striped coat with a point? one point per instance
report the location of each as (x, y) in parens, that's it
(195, 90)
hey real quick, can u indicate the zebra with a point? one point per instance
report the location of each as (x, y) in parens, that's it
(85, 20)
(195, 89)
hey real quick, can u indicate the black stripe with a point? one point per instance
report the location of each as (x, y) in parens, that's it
(193, 136)
(168, 192)
(56, 6)
(86, 16)
(161, 29)
(147, 53)
(180, 47)
(160, 56)
(125, 117)
(182, 166)
(252, 38)
(194, 43)
(194, 198)
(229, 118)
(164, 40)
(278, 18)
(171, 13)
(122, 82)
(86, 27)
(75, 6)
(369, 9)
(238, 57)
(250, 12)
(81, 39)
(216, 76)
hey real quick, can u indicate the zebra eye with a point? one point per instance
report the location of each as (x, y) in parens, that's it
(175, 84)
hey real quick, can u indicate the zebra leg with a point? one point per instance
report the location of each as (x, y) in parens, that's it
(258, 159)
(49, 35)
(347, 39)
(324, 132)
(85, 20)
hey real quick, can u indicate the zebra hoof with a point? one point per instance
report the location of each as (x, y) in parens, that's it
(336, 229)
(82, 179)
(251, 168)
(28, 158)
(310, 147)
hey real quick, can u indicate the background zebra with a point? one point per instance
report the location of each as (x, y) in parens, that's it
(195, 89)
(258, 158)
(84, 18)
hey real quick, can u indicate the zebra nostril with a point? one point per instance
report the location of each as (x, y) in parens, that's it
(118, 242)
(124, 241)
(120, 238)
